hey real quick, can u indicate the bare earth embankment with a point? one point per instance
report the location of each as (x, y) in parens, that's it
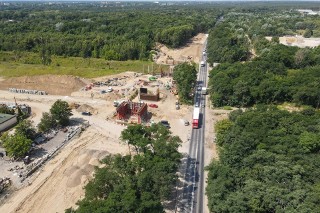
(52, 84)
(191, 52)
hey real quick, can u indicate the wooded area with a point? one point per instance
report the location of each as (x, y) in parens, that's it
(268, 162)
(119, 34)
(268, 158)
(275, 74)
(185, 75)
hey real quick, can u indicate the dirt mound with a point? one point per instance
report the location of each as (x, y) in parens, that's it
(84, 166)
(86, 108)
(52, 84)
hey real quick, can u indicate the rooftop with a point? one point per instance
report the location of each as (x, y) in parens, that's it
(5, 117)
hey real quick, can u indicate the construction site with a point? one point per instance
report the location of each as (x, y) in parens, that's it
(107, 104)
(298, 41)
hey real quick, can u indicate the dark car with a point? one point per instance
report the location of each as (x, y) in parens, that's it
(86, 113)
(165, 123)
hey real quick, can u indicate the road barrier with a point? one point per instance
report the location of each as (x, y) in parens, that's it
(26, 91)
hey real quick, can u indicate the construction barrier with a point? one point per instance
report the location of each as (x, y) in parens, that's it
(26, 91)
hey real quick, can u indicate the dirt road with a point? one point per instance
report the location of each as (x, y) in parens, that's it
(191, 52)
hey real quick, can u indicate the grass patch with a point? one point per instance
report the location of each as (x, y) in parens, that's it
(29, 64)
(292, 107)
(227, 108)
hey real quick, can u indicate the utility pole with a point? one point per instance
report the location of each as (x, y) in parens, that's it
(152, 69)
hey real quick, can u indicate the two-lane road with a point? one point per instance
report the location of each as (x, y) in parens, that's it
(191, 199)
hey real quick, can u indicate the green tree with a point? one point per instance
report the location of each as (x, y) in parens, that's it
(26, 128)
(275, 39)
(5, 110)
(308, 33)
(47, 122)
(61, 112)
(185, 75)
(310, 141)
(17, 145)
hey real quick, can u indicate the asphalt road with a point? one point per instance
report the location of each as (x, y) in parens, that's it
(191, 197)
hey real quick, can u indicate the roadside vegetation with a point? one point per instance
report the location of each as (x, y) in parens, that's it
(138, 182)
(185, 75)
(268, 162)
(226, 44)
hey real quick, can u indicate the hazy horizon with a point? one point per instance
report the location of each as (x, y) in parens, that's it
(164, 0)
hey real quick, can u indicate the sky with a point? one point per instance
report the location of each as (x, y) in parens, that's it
(165, 0)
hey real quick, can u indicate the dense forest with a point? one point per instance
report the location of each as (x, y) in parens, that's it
(268, 162)
(268, 158)
(265, 81)
(118, 34)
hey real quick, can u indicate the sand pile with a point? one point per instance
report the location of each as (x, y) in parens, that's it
(52, 84)
(87, 108)
(84, 166)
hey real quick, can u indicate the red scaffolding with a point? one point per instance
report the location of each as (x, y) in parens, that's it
(130, 109)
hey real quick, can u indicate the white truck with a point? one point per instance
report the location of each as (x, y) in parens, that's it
(117, 102)
(203, 90)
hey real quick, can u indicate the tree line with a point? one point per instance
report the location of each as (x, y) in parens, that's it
(185, 75)
(268, 162)
(113, 35)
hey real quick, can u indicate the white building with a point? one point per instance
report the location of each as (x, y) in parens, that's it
(7, 121)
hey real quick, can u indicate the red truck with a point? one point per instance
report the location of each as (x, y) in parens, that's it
(195, 118)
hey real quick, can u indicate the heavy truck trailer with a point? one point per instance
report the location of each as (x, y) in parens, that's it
(195, 118)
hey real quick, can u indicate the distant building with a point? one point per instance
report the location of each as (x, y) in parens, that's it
(308, 12)
(26, 109)
(145, 95)
(7, 121)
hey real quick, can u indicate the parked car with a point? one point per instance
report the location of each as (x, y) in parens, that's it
(165, 123)
(153, 105)
(196, 104)
(86, 113)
